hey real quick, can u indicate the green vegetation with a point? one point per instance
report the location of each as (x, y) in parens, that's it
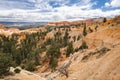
(84, 30)
(70, 49)
(66, 38)
(99, 53)
(83, 46)
(17, 70)
(53, 53)
(96, 28)
(90, 30)
(74, 38)
(30, 66)
(104, 20)
(26, 52)
(5, 63)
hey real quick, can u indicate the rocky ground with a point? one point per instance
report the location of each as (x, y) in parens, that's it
(101, 61)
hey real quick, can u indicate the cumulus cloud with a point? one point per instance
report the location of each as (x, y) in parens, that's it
(60, 14)
(15, 4)
(53, 10)
(113, 3)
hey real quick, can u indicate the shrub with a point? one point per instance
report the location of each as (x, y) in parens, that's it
(76, 49)
(78, 38)
(70, 49)
(30, 66)
(112, 25)
(104, 20)
(74, 38)
(66, 38)
(103, 50)
(96, 27)
(17, 70)
(84, 30)
(84, 45)
(85, 58)
(90, 30)
(5, 63)
(53, 53)
(22, 66)
(53, 63)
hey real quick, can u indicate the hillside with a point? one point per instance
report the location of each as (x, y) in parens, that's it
(66, 23)
(92, 64)
(78, 50)
(101, 61)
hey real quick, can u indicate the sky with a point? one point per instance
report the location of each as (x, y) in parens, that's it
(56, 10)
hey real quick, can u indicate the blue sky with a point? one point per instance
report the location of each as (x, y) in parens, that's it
(57, 10)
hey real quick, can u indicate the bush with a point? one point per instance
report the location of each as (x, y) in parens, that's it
(84, 45)
(78, 38)
(66, 38)
(53, 63)
(17, 70)
(90, 30)
(84, 30)
(53, 51)
(22, 66)
(76, 49)
(5, 64)
(96, 28)
(104, 20)
(85, 58)
(74, 38)
(103, 50)
(30, 66)
(70, 49)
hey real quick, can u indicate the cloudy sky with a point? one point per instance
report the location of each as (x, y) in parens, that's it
(56, 10)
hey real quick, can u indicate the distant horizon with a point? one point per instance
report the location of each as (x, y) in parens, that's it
(21, 24)
(57, 21)
(21, 21)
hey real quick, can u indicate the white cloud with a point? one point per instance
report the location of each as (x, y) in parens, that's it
(107, 4)
(32, 0)
(59, 14)
(113, 3)
(14, 4)
(43, 11)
